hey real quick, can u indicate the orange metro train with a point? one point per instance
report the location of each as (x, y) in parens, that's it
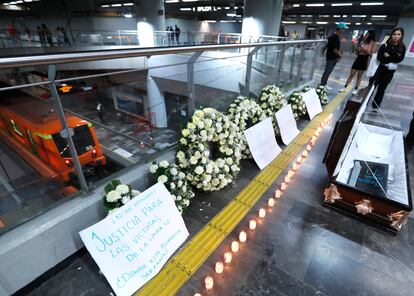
(36, 126)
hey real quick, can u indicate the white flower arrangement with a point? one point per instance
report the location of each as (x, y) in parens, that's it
(175, 181)
(209, 143)
(323, 95)
(298, 105)
(271, 100)
(117, 195)
(245, 113)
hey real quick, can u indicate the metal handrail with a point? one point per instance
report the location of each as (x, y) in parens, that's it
(55, 59)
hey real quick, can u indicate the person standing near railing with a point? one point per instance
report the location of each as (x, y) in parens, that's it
(333, 52)
(177, 34)
(28, 34)
(12, 34)
(65, 36)
(42, 38)
(389, 55)
(48, 35)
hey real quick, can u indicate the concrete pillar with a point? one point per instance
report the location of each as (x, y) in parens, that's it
(150, 16)
(155, 103)
(261, 17)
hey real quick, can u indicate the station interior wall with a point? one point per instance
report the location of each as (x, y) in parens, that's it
(408, 24)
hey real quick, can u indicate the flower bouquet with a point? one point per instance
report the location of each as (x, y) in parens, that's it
(298, 105)
(117, 195)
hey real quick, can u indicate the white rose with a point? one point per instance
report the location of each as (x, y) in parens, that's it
(183, 141)
(153, 168)
(200, 147)
(197, 154)
(185, 132)
(164, 164)
(226, 168)
(184, 188)
(191, 126)
(180, 155)
(173, 197)
(206, 153)
(179, 197)
(209, 169)
(186, 203)
(229, 161)
(162, 179)
(207, 178)
(215, 182)
(173, 171)
(229, 151)
(234, 168)
(180, 183)
(172, 186)
(112, 196)
(193, 160)
(122, 189)
(200, 124)
(135, 192)
(203, 134)
(125, 200)
(199, 170)
(181, 175)
(203, 160)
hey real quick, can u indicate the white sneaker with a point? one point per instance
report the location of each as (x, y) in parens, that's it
(342, 89)
(354, 92)
(328, 87)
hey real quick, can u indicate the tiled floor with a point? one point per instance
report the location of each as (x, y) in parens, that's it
(301, 249)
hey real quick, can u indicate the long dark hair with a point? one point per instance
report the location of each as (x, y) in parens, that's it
(372, 36)
(401, 44)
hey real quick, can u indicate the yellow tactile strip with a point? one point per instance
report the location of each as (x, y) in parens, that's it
(185, 263)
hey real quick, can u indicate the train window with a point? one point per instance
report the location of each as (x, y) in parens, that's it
(82, 139)
(16, 128)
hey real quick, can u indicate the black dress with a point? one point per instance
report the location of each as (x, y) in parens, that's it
(361, 62)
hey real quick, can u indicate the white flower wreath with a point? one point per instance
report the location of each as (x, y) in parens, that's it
(245, 112)
(323, 95)
(271, 100)
(175, 181)
(298, 105)
(207, 168)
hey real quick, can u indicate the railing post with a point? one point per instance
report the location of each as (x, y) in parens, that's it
(190, 82)
(246, 90)
(301, 59)
(66, 132)
(280, 66)
(292, 63)
(315, 56)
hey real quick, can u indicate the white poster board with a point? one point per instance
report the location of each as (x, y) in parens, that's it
(287, 124)
(131, 245)
(312, 102)
(410, 50)
(262, 142)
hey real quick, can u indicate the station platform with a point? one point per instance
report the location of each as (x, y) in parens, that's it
(301, 248)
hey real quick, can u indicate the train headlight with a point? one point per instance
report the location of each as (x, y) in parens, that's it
(94, 153)
(69, 163)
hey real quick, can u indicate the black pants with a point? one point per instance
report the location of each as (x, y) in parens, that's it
(330, 65)
(381, 79)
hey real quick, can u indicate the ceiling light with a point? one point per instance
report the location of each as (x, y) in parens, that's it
(306, 15)
(288, 22)
(296, 5)
(341, 4)
(227, 8)
(369, 23)
(346, 23)
(372, 3)
(337, 15)
(105, 6)
(358, 24)
(128, 15)
(19, 2)
(27, 1)
(189, 0)
(218, 8)
(116, 5)
(210, 21)
(185, 8)
(171, 1)
(359, 15)
(128, 4)
(324, 15)
(345, 15)
(13, 3)
(379, 15)
(235, 7)
(231, 14)
(315, 5)
(305, 22)
(321, 23)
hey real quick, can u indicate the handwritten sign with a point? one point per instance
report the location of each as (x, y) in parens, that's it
(312, 102)
(287, 124)
(131, 245)
(262, 142)
(410, 51)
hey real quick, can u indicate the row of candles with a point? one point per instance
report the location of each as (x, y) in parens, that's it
(227, 258)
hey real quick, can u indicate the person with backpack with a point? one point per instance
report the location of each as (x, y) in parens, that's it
(333, 52)
(389, 55)
(364, 50)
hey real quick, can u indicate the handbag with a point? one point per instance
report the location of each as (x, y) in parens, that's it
(373, 66)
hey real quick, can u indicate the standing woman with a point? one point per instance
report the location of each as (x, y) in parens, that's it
(364, 50)
(389, 55)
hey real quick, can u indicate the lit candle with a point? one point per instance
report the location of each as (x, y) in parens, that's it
(295, 167)
(305, 153)
(287, 179)
(262, 213)
(235, 246)
(219, 267)
(278, 193)
(197, 294)
(314, 139)
(317, 134)
(209, 282)
(252, 224)
(271, 202)
(299, 159)
(309, 148)
(283, 186)
(319, 129)
(291, 173)
(227, 257)
(242, 236)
